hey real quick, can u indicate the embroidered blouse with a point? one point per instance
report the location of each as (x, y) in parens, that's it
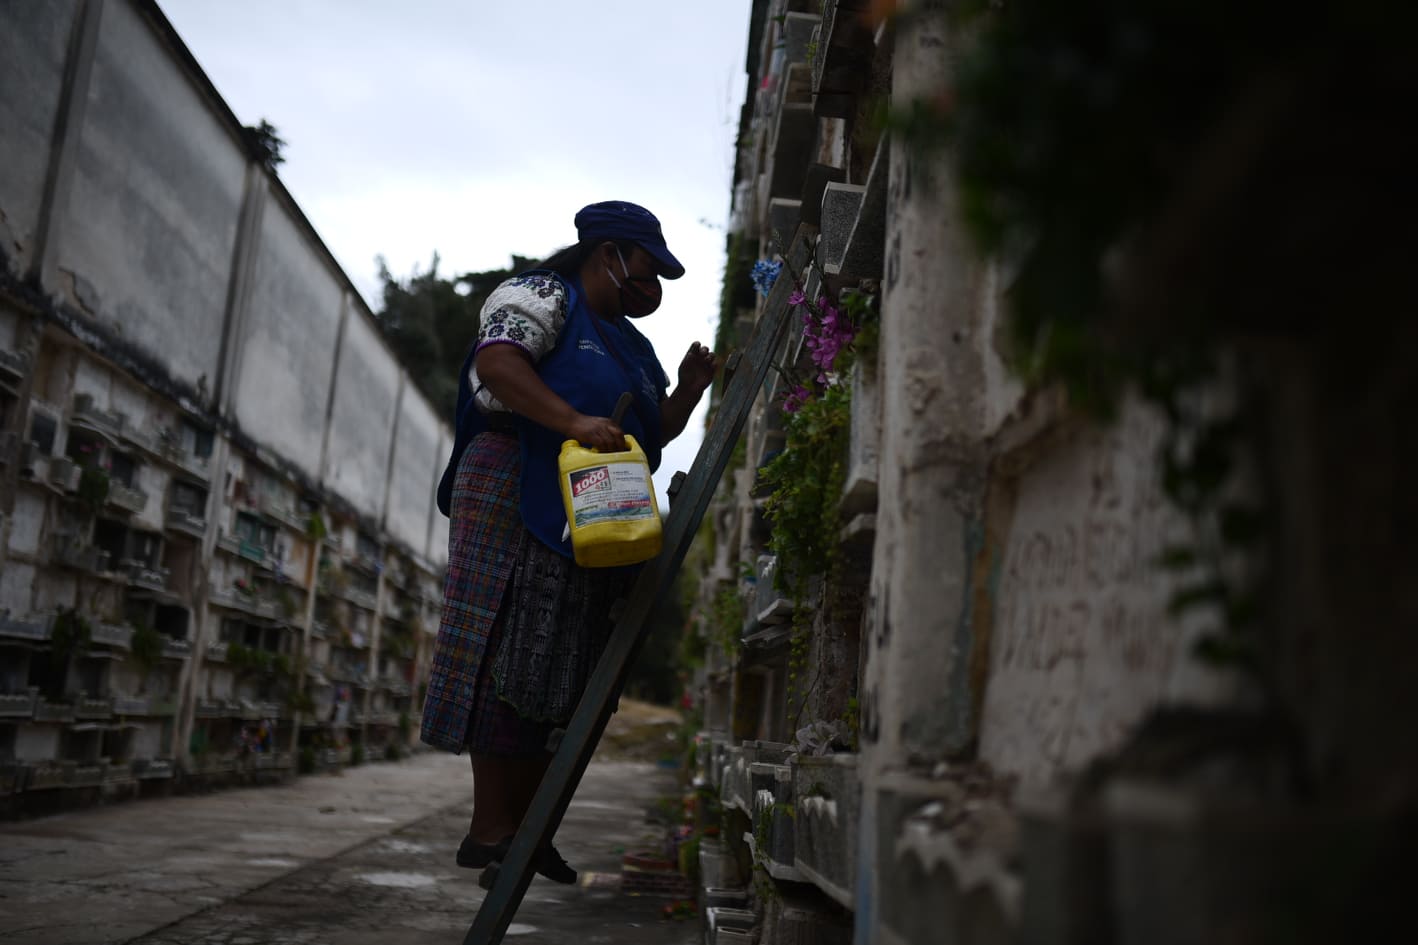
(527, 311)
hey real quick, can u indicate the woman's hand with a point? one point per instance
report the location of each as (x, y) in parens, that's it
(696, 371)
(600, 433)
(509, 374)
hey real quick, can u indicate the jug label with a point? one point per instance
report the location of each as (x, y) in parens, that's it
(615, 492)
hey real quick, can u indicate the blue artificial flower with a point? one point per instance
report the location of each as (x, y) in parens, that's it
(764, 274)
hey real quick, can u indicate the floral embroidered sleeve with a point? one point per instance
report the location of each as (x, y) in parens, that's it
(527, 311)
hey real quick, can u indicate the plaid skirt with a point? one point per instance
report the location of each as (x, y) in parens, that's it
(522, 625)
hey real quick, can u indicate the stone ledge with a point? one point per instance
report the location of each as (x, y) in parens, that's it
(827, 803)
(949, 841)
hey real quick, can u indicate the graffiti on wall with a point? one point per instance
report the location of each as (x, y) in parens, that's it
(1082, 644)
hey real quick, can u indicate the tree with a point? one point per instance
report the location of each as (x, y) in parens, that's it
(265, 143)
(430, 321)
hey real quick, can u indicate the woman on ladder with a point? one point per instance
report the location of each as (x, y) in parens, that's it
(523, 625)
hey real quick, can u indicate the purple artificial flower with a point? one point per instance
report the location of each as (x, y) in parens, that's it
(797, 298)
(795, 399)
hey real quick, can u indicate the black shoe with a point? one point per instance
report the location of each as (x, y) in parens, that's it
(549, 863)
(473, 855)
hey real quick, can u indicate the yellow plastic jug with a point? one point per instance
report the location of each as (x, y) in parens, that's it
(611, 509)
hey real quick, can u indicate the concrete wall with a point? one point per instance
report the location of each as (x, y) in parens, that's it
(1015, 627)
(173, 281)
(32, 50)
(145, 243)
(289, 343)
(411, 500)
(153, 163)
(36, 742)
(17, 588)
(362, 417)
(438, 531)
(1081, 645)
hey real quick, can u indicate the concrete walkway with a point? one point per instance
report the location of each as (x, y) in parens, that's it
(364, 856)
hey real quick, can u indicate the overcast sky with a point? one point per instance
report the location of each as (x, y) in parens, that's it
(477, 129)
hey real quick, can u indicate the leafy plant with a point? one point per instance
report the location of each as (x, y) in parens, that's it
(726, 617)
(806, 481)
(70, 636)
(255, 661)
(266, 144)
(852, 718)
(286, 601)
(94, 483)
(1074, 134)
(145, 646)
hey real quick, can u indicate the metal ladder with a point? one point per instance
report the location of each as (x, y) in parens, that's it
(744, 373)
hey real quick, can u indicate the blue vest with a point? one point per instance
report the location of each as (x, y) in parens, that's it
(593, 362)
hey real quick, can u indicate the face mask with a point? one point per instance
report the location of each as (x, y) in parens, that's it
(635, 302)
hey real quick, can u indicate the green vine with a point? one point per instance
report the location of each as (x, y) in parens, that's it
(69, 638)
(145, 646)
(1073, 133)
(726, 618)
(764, 885)
(736, 293)
(94, 483)
(1200, 458)
(804, 507)
(286, 601)
(852, 718)
(805, 482)
(799, 650)
(806, 479)
(256, 661)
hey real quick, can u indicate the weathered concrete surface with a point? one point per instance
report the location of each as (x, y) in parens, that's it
(363, 414)
(148, 227)
(362, 857)
(32, 49)
(290, 342)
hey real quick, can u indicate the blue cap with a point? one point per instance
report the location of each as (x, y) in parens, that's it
(618, 220)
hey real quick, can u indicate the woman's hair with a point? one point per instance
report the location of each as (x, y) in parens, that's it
(567, 262)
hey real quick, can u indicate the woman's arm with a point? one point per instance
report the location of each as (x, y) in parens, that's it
(508, 372)
(696, 373)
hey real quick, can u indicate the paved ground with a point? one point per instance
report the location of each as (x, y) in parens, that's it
(365, 856)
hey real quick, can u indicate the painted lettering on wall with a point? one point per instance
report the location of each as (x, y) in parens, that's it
(1081, 645)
